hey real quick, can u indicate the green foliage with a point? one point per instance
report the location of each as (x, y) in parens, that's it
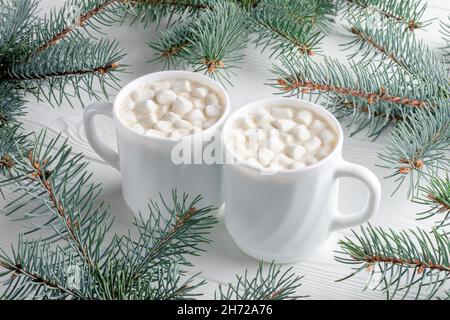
(446, 35)
(408, 13)
(216, 39)
(391, 78)
(73, 254)
(418, 148)
(436, 196)
(213, 39)
(270, 284)
(403, 264)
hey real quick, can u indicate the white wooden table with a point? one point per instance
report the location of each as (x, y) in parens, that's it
(223, 259)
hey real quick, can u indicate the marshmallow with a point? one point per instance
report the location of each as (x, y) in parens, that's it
(317, 126)
(163, 126)
(183, 124)
(282, 113)
(313, 144)
(138, 128)
(198, 104)
(309, 159)
(304, 116)
(284, 125)
(301, 132)
(255, 134)
(213, 111)
(286, 138)
(128, 105)
(253, 162)
(155, 133)
(148, 120)
(142, 95)
(212, 99)
(196, 116)
(200, 92)
(297, 165)
(275, 144)
(327, 136)
(246, 123)
(182, 86)
(182, 106)
(295, 151)
(283, 160)
(274, 166)
(172, 117)
(148, 106)
(161, 85)
(323, 152)
(128, 117)
(166, 97)
(265, 156)
(262, 116)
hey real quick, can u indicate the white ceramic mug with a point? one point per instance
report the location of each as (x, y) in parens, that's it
(145, 162)
(283, 217)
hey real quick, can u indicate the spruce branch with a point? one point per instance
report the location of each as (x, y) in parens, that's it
(170, 46)
(445, 30)
(397, 262)
(61, 23)
(437, 197)
(406, 12)
(372, 88)
(73, 63)
(217, 37)
(384, 41)
(266, 284)
(281, 32)
(35, 271)
(418, 148)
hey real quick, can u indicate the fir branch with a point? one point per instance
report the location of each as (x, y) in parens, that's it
(35, 271)
(418, 148)
(217, 37)
(370, 87)
(170, 46)
(184, 226)
(60, 23)
(73, 63)
(152, 11)
(437, 197)
(283, 33)
(50, 183)
(270, 284)
(407, 12)
(445, 30)
(397, 262)
(385, 40)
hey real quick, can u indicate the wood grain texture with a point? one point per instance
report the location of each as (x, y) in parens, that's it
(223, 259)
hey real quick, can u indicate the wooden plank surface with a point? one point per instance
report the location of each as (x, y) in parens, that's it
(223, 260)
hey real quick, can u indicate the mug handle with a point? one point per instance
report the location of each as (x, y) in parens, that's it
(105, 152)
(351, 170)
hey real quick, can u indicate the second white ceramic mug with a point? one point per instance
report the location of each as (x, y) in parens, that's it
(284, 216)
(146, 163)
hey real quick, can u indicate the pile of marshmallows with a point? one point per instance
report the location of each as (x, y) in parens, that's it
(171, 109)
(281, 138)
(274, 138)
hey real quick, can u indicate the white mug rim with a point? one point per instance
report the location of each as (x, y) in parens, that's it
(168, 75)
(285, 102)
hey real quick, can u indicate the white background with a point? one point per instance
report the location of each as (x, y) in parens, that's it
(223, 259)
